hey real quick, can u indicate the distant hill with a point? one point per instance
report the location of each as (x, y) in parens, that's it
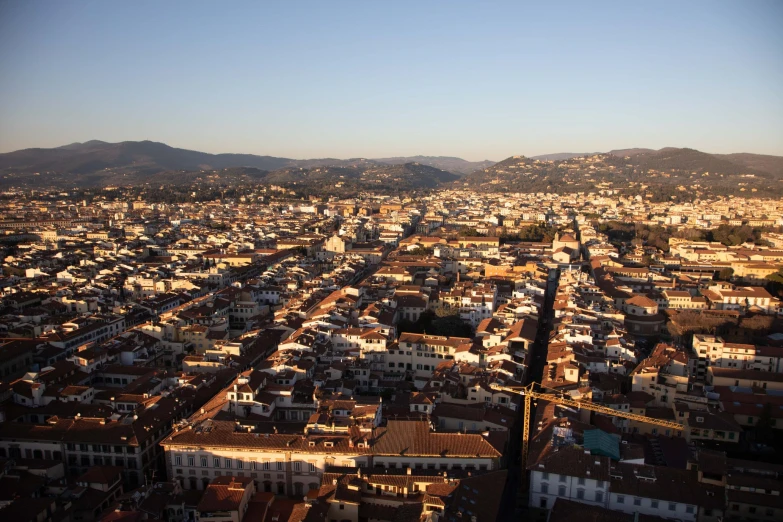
(334, 162)
(687, 159)
(760, 162)
(93, 156)
(137, 162)
(98, 163)
(412, 174)
(450, 164)
(665, 174)
(629, 152)
(324, 174)
(562, 156)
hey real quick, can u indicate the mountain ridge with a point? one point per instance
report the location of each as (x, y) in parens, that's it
(97, 162)
(93, 155)
(669, 173)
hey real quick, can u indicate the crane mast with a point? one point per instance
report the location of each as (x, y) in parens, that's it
(529, 393)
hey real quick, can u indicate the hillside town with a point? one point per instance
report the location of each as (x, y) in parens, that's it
(447, 356)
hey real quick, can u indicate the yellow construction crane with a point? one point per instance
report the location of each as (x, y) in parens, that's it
(530, 393)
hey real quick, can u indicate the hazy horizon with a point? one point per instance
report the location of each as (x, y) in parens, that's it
(495, 160)
(311, 80)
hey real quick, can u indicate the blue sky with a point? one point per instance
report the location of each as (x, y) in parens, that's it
(479, 80)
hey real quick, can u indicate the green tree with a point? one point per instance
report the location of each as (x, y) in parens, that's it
(418, 251)
(452, 326)
(725, 274)
(466, 231)
(775, 283)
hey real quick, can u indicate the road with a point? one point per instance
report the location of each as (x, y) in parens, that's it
(514, 503)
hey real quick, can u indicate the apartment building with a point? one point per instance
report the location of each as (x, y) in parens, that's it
(713, 351)
(292, 464)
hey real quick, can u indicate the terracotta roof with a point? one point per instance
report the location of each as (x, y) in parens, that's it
(224, 494)
(415, 438)
(101, 475)
(642, 301)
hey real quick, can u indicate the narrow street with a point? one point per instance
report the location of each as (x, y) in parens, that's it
(514, 503)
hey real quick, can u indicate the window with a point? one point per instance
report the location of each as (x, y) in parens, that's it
(580, 481)
(561, 491)
(672, 506)
(240, 464)
(279, 466)
(562, 478)
(545, 475)
(637, 501)
(203, 462)
(689, 510)
(216, 462)
(580, 494)
(620, 499)
(191, 461)
(297, 466)
(311, 467)
(545, 488)
(654, 504)
(599, 496)
(227, 463)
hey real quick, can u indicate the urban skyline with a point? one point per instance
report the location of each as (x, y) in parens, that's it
(405, 262)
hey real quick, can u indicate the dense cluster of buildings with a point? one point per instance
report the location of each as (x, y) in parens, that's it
(288, 360)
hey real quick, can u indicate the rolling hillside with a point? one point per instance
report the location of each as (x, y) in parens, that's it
(96, 163)
(665, 174)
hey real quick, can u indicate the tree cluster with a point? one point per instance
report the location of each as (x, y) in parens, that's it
(438, 322)
(539, 233)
